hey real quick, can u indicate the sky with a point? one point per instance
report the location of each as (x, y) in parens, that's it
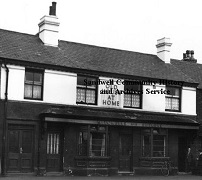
(133, 25)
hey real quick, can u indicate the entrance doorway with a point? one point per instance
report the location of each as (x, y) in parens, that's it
(182, 150)
(54, 151)
(125, 152)
(20, 149)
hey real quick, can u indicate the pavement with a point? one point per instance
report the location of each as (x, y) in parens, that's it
(177, 177)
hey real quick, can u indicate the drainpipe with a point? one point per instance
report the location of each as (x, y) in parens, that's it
(3, 161)
(6, 92)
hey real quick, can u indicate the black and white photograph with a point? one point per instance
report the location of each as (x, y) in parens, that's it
(101, 89)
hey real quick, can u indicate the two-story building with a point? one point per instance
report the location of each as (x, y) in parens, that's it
(85, 110)
(189, 66)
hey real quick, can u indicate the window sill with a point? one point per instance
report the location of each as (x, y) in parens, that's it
(132, 107)
(154, 158)
(170, 110)
(92, 157)
(80, 103)
(31, 99)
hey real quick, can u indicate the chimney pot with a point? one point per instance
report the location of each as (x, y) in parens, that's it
(188, 53)
(184, 55)
(189, 56)
(192, 54)
(54, 8)
(50, 10)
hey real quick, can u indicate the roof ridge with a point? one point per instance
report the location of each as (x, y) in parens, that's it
(17, 32)
(25, 47)
(91, 45)
(110, 48)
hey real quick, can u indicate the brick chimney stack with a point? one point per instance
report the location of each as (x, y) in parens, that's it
(163, 49)
(49, 27)
(189, 56)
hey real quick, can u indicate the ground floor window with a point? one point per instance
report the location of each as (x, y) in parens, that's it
(154, 142)
(53, 143)
(92, 141)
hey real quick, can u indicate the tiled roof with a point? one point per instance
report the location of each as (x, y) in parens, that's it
(26, 47)
(192, 69)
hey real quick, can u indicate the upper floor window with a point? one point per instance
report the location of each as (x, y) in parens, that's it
(173, 99)
(33, 84)
(132, 94)
(86, 90)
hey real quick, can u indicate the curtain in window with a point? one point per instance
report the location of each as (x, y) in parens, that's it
(172, 103)
(127, 100)
(28, 91)
(135, 100)
(80, 95)
(131, 100)
(90, 96)
(37, 92)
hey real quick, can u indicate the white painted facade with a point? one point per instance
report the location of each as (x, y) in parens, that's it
(60, 88)
(153, 102)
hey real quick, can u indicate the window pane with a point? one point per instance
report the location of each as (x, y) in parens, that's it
(90, 96)
(129, 85)
(53, 141)
(127, 99)
(82, 147)
(173, 91)
(92, 82)
(158, 142)
(135, 100)
(146, 146)
(38, 78)
(131, 100)
(97, 144)
(28, 91)
(158, 145)
(29, 76)
(175, 104)
(81, 80)
(86, 89)
(37, 92)
(33, 85)
(80, 95)
(48, 144)
(172, 103)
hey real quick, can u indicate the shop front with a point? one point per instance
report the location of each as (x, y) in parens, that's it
(94, 141)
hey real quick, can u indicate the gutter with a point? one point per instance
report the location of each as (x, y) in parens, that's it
(3, 161)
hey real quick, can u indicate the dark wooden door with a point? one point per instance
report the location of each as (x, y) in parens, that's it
(125, 152)
(54, 151)
(20, 150)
